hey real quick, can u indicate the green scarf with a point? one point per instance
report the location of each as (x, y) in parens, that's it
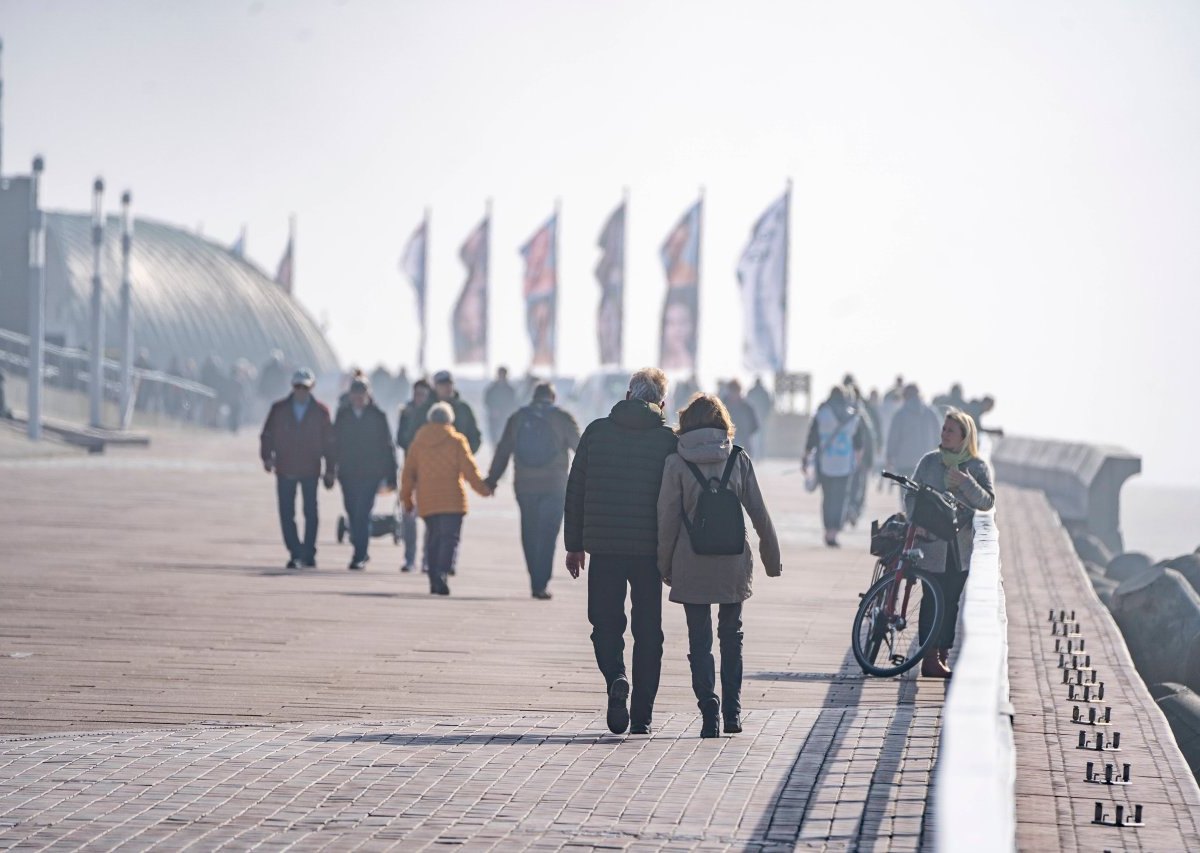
(952, 461)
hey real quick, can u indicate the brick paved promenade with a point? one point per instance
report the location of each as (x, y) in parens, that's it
(164, 680)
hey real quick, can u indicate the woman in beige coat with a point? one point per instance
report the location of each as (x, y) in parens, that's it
(700, 581)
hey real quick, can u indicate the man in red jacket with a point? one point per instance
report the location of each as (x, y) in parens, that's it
(298, 434)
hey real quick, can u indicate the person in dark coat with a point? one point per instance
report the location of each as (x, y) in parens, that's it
(366, 459)
(612, 513)
(464, 416)
(539, 438)
(407, 426)
(500, 401)
(297, 435)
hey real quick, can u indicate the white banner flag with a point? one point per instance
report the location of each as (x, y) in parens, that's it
(762, 276)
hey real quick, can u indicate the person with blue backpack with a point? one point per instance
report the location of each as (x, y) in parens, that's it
(703, 552)
(539, 437)
(836, 442)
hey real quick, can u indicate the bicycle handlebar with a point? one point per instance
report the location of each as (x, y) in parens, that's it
(914, 486)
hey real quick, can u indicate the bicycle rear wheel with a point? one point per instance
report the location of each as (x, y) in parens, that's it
(889, 643)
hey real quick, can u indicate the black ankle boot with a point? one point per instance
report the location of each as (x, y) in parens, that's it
(710, 711)
(733, 724)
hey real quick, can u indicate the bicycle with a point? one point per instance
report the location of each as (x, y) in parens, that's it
(899, 588)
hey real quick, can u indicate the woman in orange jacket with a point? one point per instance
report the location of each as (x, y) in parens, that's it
(436, 464)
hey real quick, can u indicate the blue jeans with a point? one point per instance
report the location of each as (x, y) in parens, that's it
(358, 496)
(285, 490)
(541, 519)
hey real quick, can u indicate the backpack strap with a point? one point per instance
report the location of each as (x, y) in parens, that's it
(698, 474)
(733, 455)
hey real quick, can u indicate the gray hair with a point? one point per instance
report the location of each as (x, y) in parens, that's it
(648, 384)
(441, 413)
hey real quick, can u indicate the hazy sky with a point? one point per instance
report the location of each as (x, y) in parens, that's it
(1003, 193)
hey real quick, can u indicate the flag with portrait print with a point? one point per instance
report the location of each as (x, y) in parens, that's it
(470, 323)
(762, 277)
(680, 254)
(610, 273)
(541, 291)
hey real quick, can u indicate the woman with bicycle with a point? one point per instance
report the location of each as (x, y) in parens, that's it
(703, 552)
(954, 467)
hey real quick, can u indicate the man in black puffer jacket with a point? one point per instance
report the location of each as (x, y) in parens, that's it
(612, 514)
(366, 460)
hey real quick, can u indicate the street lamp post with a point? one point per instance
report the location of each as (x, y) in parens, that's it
(126, 401)
(96, 386)
(37, 303)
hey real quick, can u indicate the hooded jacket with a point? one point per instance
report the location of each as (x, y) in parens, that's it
(437, 462)
(612, 490)
(464, 419)
(710, 579)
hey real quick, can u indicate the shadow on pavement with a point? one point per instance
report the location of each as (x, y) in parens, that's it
(448, 740)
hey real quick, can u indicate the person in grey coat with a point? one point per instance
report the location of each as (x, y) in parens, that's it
(698, 582)
(915, 428)
(955, 467)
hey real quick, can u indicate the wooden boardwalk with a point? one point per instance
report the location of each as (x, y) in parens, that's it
(163, 679)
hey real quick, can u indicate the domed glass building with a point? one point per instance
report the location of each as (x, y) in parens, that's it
(192, 298)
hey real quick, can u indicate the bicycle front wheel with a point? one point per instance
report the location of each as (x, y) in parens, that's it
(887, 638)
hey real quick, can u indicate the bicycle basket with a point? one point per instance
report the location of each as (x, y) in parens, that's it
(935, 514)
(888, 536)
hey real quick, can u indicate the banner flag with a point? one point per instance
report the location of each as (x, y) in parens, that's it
(238, 249)
(680, 255)
(610, 272)
(470, 324)
(413, 265)
(541, 291)
(762, 275)
(285, 272)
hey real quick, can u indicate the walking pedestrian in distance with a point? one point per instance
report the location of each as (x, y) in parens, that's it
(539, 438)
(437, 463)
(612, 514)
(408, 422)
(835, 446)
(367, 460)
(954, 466)
(693, 525)
(500, 401)
(741, 412)
(914, 429)
(297, 435)
(762, 402)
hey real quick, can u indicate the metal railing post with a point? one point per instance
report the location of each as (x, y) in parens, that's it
(96, 350)
(37, 303)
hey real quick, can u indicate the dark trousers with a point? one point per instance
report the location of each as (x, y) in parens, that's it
(541, 519)
(951, 582)
(442, 533)
(834, 492)
(285, 490)
(704, 671)
(608, 577)
(358, 496)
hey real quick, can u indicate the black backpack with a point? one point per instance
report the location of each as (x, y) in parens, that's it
(537, 443)
(717, 528)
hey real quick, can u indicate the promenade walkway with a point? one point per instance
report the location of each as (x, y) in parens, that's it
(164, 680)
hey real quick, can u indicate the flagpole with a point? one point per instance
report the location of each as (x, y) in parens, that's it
(424, 306)
(787, 270)
(699, 263)
(624, 271)
(487, 288)
(557, 288)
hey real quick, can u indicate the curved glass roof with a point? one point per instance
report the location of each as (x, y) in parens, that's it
(192, 298)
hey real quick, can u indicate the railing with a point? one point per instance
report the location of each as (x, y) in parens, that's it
(974, 787)
(68, 368)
